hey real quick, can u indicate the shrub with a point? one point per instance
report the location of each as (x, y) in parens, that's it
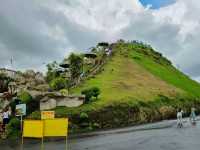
(91, 92)
(96, 92)
(83, 115)
(64, 92)
(88, 95)
(84, 119)
(31, 104)
(35, 115)
(58, 83)
(25, 97)
(13, 128)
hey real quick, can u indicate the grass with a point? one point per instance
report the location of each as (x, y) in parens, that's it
(168, 73)
(123, 80)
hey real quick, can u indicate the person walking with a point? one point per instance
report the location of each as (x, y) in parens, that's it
(5, 118)
(180, 118)
(193, 116)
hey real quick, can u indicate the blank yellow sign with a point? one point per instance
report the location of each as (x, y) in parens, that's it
(33, 129)
(55, 127)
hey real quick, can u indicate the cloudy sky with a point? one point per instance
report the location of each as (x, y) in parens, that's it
(35, 32)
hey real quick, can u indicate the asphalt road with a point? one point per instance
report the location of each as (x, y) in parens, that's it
(157, 138)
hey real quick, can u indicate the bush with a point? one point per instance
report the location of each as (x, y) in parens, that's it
(58, 83)
(35, 115)
(64, 92)
(91, 92)
(31, 104)
(84, 119)
(13, 128)
(25, 97)
(88, 95)
(83, 115)
(96, 92)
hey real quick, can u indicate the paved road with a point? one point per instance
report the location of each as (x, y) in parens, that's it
(170, 138)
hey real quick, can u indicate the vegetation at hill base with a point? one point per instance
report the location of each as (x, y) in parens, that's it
(136, 85)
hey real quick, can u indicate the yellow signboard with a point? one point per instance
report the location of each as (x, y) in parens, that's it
(33, 129)
(47, 115)
(55, 128)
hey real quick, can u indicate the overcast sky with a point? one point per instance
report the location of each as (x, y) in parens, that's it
(35, 32)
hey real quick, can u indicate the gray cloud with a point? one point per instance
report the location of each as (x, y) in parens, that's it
(34, 31)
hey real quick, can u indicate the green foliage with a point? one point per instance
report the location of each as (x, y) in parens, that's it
(88, 95)
(25, 97)
(83, 115)
(13, 128)
(59, 83)
(52, 71)
(64, 92)
(91, 92)
(76, 66)
(96, 92)
(31, 104)
(35, 115)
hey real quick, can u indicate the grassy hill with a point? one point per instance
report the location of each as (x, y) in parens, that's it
(139, 73)
(137, 85)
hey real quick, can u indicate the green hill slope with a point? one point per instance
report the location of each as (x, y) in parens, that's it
(139, 74)
(137, 85)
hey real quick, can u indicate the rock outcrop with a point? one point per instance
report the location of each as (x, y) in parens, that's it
(53, 101)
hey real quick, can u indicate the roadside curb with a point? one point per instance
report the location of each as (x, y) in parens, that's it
(154, 126)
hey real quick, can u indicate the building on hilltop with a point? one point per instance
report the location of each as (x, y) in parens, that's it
(10, 73)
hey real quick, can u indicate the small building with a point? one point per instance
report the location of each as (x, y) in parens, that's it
(8, 72)
(89, 58)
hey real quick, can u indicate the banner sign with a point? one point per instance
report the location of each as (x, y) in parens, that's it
(45, 128)
(47, 115)
(55, 128)
(33, 129)
(21, 110)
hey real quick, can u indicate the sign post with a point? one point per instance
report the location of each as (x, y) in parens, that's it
(21, 111)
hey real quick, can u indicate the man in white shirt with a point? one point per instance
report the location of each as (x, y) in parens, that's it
(180, 118)
(5, 117)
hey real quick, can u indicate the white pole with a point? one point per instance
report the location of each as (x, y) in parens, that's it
(21, 123)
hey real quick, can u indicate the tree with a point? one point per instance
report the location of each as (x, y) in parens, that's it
(59, 83)
(76, 67)
(52, 71)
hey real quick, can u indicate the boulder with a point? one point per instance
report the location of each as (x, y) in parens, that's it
(46, 103)
(52, 100)
(39, 78)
